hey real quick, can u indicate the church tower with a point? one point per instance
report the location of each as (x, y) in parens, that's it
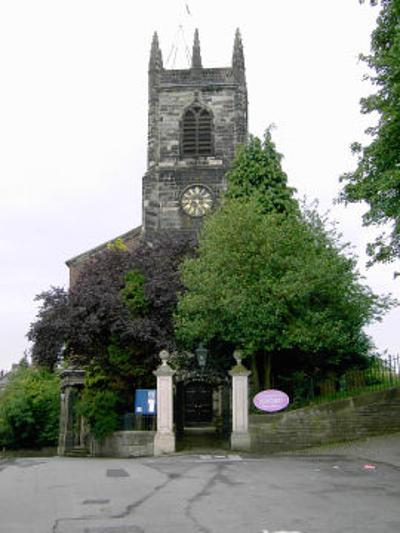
(196, 119)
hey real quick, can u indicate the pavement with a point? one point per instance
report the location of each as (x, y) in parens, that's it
(352, 488)
(381, 449)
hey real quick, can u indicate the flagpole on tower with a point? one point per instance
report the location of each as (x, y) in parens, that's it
(179, 42)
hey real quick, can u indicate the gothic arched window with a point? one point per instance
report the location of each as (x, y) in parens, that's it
(197, 132)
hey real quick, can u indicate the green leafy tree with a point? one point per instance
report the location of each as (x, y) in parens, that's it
(29, 409)
(99, 409)
(257, 173)
(280, 287)
(376, 179)
(133, 294)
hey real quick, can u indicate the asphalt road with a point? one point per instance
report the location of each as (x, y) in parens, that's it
(204, 493)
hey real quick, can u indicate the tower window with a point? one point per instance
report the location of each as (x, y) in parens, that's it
(197, 132)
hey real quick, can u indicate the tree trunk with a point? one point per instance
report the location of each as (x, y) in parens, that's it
(255, 373)
(267, 370)
(261, 368)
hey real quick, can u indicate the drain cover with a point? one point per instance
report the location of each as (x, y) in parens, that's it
(117, 472)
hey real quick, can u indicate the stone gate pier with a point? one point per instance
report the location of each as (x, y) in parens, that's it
(164, 440)
(72, 431)
(240, 436)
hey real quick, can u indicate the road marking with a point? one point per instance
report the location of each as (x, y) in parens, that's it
(92, 502)
(266, 531)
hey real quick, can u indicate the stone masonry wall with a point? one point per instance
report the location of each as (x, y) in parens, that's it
(168, 174)
(163, 189)
(173, 102)
(125, 444)
(374, 413)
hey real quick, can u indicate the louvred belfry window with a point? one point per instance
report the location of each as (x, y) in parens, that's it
(197, 132)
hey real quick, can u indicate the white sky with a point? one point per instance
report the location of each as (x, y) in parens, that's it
(73, 122)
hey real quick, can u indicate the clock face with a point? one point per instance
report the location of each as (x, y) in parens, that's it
(196, 200)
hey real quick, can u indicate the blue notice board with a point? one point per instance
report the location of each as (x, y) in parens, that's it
(146, 402)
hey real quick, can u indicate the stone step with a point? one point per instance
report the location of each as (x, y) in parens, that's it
(77, 452)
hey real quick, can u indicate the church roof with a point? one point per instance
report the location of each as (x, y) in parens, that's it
(128, 236)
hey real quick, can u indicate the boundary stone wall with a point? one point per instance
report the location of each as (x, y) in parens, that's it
(124, 444)
(374, 413)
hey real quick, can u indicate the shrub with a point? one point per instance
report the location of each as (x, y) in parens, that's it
(29, 409)
(99, 409)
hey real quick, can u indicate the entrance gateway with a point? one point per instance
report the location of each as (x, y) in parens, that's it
(202, 411)
(197, 393)
(205, 401)
(203, 416)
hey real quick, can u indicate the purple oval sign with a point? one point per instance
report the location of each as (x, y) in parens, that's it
(271, 400)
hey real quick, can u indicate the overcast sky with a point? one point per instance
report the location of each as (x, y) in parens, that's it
(73, 122)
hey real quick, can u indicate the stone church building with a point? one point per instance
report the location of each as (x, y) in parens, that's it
(196, 119)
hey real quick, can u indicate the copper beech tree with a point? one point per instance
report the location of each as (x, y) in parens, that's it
(116, 317)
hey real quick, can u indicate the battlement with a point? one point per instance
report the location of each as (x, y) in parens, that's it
(233, 74)
(203, 76)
